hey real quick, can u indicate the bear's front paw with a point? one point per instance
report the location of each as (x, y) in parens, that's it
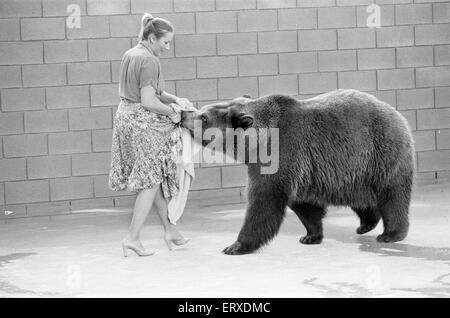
(237, 248)
(311, 239)
(391, 237)
(364, 228)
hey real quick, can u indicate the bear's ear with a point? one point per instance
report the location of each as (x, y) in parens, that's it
(241, 120)
(246, 96)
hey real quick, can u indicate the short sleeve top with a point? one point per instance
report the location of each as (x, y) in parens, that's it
(139, 68)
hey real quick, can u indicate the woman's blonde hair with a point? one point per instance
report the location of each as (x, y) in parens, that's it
(156, 26)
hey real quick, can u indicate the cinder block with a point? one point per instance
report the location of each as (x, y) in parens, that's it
(59, 8)
(293, 19)
(108, 49)
(152, 6)
(315, 83)
(196, 90)
(46, 121)
(314, 40)
(67, 97)
(102, 140)
(71, 188)
(9, 30)
(18, 215)
(91, 164)
(237, 43)
(433, 76)
(336, 17)
(361, 80)
(443, 138)
(42, 29)
(265, 64)
(230, 88)
(389, 97)
(434, 160)
(277, 42)
(217, 66)
(253, 20)
(413, 14)
(48, 167)
(216, 22)
(10, 76)
(396, 79)
(91, 27)
(432, 34)
(424, 140)
(25, 145)
(376, 59)
(2, 194)
(124, 25)
(235, 4)
(94, 118)
(170, 87)
(22, 8)
(337, 60)
(1, 147)
(411, 117)
(441, 12)
(16, 99)
(298, 62)
(195, 45)
(415, 56)
(179, 68)
(184, 23)
(316, 3)
(115, 71)
(213, 197)
(415, 98)
(353, 2)
(279, 84)
(44, 75)
(432, 118)
(194, 5)
(442, 96)
(50, 209)
(386, 15)
(11, 123)
(102, 190)
(441, 55)
(27, 191)
(65, 51)
(395, 36)
(108, 7)
(89, 73)
(69, 142)
(356, 38)
(206, 178)
(275, 4)
(12, 53)
(13, 169)
(105, 95)
(401, 1)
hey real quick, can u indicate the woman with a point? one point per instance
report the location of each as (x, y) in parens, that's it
(146, 137)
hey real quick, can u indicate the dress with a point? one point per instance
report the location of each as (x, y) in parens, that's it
(145, 145)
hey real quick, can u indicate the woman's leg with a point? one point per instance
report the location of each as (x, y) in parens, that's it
(142, 206)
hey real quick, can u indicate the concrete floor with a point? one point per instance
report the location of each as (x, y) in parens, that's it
(80, 256)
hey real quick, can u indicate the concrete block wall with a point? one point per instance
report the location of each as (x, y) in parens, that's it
(58, 83)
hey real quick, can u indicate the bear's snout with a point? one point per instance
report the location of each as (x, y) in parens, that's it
(188, 118)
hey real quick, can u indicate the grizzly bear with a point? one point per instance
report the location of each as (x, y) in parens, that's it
(342, 148)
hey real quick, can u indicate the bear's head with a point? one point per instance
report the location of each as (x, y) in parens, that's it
(220, 116)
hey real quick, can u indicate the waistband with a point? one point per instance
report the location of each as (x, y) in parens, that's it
(127, 105)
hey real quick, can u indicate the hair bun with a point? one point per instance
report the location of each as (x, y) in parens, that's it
(147, 17)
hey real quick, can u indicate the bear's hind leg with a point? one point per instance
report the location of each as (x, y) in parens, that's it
(393, 207)
(368, 217)
(311, 216)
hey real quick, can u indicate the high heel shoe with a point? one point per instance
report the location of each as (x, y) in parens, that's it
(126, 245)
(170, 242)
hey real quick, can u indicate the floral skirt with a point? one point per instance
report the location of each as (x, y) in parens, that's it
(144, 152)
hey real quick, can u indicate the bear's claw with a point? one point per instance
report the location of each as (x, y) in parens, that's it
(391, 237)
(237, 248)
(365, 228)
(311, 239)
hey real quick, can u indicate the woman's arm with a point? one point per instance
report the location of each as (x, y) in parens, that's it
(152, 103)
(167, 98)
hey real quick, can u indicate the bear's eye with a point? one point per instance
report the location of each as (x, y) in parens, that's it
(204, 119)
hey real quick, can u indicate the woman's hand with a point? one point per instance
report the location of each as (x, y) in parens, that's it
(184, 103)
(176, 117)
